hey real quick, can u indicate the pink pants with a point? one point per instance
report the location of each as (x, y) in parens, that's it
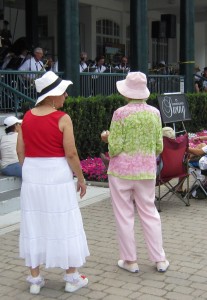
(143, 192)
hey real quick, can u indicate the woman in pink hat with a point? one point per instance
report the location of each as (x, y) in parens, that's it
(135, 140)
(51, 231)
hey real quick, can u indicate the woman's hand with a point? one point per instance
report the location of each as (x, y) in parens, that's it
(197, 138)
(200, 138)
(104, 136)
(81, 186)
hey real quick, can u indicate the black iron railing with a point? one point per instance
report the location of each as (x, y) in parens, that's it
(18, 87)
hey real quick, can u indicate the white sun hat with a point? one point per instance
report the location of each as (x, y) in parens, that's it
(50, 85)
(134, 86)
(168, 132)
(10, 121)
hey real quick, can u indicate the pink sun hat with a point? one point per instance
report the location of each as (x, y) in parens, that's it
(134, 86)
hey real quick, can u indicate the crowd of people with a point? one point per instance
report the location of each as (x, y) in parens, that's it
(100, 65)
(18, 55)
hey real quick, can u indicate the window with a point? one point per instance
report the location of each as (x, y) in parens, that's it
(159, 50)
(128, 41)
(107, 32)
(42, 26)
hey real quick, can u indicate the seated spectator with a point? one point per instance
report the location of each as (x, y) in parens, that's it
(123, 66)
(14, 60)
(10, 165)
(99, 65)
(162, 68)
(9, 56)
(200, 149)
(83, 59)
(34, 63)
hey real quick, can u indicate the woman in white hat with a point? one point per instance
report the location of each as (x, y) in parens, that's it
(135, 140)
(51, 230)
(9, 162)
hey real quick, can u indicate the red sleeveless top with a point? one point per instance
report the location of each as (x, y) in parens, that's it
(42, 136)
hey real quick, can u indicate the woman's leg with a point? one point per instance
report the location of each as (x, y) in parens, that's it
(144, 194)
(35, 272)
(71, 270)
(123, 208)
(35, 280)
(74, 281)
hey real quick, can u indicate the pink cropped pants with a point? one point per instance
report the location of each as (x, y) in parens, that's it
(123, 192)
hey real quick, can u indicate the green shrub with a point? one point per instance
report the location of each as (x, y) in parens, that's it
(92, 115)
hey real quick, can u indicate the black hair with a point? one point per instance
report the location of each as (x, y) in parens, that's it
(10, 128)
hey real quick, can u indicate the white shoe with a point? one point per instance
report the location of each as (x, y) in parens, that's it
(78, 283)
(162, 266)
(133, 268)
(36, 283)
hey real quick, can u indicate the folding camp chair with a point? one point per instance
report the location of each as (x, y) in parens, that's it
(199, 181)
(173, 163)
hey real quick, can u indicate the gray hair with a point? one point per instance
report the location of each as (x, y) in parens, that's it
(38, 49)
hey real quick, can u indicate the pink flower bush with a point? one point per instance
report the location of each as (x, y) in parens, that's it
(94, 169)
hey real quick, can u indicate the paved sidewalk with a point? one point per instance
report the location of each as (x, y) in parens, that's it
(185, 243)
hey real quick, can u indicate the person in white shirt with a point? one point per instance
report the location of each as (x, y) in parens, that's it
(10, 165)
(100, 61)
(123, 66)
(34, 63)
(83, 58)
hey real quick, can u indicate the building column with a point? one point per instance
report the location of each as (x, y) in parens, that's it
(31, 8)
(68, 43)
(138, 36)
(187, 58)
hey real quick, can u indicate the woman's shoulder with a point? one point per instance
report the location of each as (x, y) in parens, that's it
(153, 109)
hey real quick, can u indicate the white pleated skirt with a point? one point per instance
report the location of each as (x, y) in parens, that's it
(51, 230)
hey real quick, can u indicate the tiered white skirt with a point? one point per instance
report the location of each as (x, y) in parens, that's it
(51, 231)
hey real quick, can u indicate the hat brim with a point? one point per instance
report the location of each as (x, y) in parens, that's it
(57, 91)
(131, 93)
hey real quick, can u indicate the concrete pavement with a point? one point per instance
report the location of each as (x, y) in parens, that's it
(185, 243)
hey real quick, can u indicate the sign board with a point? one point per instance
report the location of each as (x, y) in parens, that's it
(173, 108)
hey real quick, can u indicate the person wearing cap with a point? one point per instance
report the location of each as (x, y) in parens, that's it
(134, 141)
(51, 231)
(10, 165)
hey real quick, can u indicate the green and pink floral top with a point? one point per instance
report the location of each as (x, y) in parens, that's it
(135, 140)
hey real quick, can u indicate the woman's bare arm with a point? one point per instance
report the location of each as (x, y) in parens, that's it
(71, 154)
(20, 147)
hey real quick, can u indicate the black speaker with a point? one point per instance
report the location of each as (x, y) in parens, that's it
(170, 25)
(158, 30)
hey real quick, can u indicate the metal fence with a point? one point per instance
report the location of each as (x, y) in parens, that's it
(105, 84)
(15, 84)
(91, 84)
